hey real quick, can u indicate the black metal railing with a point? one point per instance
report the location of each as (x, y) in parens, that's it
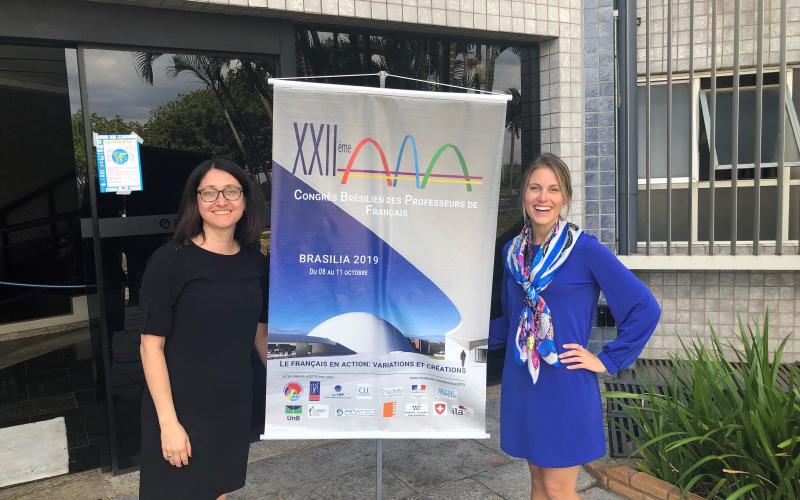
(719, 139)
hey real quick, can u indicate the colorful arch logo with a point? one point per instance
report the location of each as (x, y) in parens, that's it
(428, 176)
(292, 391)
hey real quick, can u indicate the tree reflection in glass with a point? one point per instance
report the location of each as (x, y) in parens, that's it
(240, 89)
(224, 108)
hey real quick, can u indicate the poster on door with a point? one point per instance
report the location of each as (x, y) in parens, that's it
(384, 210)
(119, 169)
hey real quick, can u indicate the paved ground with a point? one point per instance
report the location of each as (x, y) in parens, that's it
(413, 469)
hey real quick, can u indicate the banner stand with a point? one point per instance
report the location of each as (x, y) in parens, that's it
(379, 442)
(378, 468)
(383, 75)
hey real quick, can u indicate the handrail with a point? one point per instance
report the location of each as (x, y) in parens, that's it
(37, 192)
(30, 292)
(39, 222)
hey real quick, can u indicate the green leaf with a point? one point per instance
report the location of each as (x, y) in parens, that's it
(694, 466)
(741, 491)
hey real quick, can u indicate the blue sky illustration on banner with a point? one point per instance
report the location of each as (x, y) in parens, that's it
(405, 297)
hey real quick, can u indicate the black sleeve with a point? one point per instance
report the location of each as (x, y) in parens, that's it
(264, 317)
(156, 292)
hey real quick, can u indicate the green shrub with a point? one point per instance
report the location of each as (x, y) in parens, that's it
(721, 429)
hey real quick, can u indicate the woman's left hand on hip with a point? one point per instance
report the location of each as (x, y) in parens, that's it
(578, 357)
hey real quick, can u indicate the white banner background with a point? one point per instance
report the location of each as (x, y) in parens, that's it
(443, 230)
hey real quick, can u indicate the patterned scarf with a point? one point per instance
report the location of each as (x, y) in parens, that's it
(534, 338)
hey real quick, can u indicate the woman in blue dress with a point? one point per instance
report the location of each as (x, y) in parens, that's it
(550, 409)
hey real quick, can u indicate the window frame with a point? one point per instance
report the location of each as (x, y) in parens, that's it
(790, 114)
(700, 106)
(676, 80)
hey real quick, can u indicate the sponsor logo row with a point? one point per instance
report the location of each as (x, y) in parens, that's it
(390, 409)
(294, 391)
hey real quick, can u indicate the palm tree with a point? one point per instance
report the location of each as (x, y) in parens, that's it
(514, 126)
(258, 75)
(143, 63)
(210, 71)
(200, 66)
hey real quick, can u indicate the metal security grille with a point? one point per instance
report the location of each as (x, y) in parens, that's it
(714, 164)
(620, 425)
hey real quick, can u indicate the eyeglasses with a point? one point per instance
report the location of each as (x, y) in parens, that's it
(230, 193)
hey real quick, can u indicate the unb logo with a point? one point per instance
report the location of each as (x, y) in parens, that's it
(293, 412)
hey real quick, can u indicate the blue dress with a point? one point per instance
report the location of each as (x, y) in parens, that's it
(558, 422)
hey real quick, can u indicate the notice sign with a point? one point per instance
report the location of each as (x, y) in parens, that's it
(384, 209)
(119, 169)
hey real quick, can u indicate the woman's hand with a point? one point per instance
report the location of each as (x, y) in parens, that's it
(578, 357)
(261, 343)
(175, 445)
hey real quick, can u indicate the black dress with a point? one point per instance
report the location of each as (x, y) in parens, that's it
(207, 305)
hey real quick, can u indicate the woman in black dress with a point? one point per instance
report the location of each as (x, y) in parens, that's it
(204, 302)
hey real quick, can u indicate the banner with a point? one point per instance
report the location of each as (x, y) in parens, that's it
(384, 210)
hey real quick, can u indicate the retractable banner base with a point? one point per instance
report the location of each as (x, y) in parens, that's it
(381, 435)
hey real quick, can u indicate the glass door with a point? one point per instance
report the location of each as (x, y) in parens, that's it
(186, 107)
(48, 369)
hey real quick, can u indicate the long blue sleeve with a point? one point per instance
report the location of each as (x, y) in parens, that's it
(498, 327)
(634, 308)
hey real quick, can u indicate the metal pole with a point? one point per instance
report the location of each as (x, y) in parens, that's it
(619, 211)
(626, 111)
(98, 259)
(378, 442)
(647, 128)
(632, 115)
(712, 169)
(669, 127)
(780, 220)
(735, 130)
(378, 468)
(758, 126)
(691, 87)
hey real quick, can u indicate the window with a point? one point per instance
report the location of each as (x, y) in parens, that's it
(681, 161)
(40, 242)
(746, 126)
(692, 159)
(681, 134)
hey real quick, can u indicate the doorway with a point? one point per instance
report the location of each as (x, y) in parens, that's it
(187, 107)
(48, 372)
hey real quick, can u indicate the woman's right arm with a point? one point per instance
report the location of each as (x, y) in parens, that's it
(498, 327)
(175, 444)
(157, 298)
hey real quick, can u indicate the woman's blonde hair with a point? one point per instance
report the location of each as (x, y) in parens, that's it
(554, 163)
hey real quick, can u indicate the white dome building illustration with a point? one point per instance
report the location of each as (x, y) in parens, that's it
(361, 333)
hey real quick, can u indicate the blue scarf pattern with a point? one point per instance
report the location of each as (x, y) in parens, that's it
(534, 338)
